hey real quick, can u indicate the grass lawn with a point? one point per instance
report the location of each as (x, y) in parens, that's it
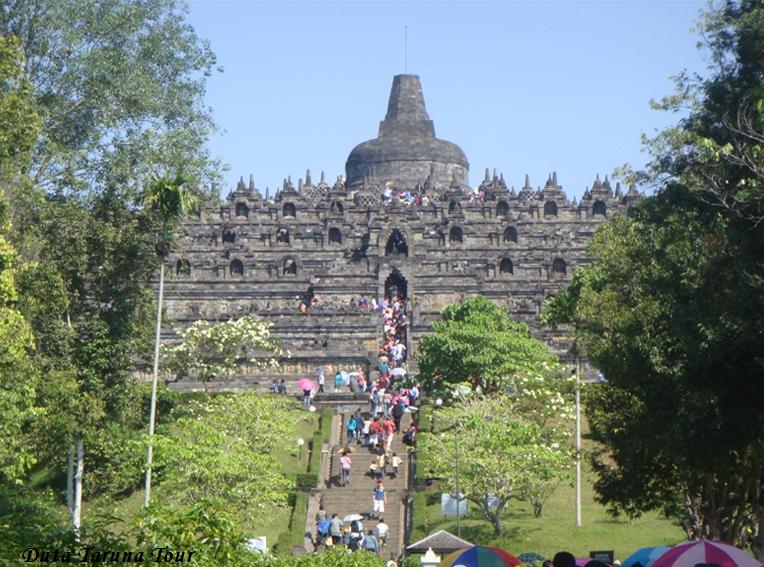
(556, 529)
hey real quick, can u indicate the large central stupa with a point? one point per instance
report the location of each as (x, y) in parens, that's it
(406, 151)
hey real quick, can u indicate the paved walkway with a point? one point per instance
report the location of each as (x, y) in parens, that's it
(357, 497)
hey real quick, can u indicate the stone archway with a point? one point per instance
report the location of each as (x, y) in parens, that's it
(396, 285)
(396, 244)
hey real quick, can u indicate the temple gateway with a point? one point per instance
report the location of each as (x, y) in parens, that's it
(402, 221)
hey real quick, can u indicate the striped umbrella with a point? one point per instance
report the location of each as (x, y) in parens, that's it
(479, 556)
(691, 553)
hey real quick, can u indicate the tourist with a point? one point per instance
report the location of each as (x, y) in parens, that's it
(335, 529)
(387, 404)
(396, 462)
(410, 436)
(370, 542)
(379, 499)
(339, 381)
(381, 530)
(322, 530)
(351, 429)
(282, 387)
(366, 431)
(376, 399)
(381, 465)
(398, 410)
(564, 559)
(361, 380)
(345, 464)
(321, 379)
(273, 387)
(307, 394)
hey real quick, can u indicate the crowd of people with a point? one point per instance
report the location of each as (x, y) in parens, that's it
(351, 531)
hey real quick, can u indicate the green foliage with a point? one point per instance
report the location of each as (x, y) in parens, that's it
(477, 343)
(510, 449)
(223, 451)
(18, 113)
(18, 379)
(320, 437)
(210, 351)
(717, 152)
(670, 309)
(120, 87)
(295, 536)
(120, 455)
(307, 480)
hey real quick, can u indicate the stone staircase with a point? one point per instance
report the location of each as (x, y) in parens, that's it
(357, 497)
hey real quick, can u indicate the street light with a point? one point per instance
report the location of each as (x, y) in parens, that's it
(300, 443)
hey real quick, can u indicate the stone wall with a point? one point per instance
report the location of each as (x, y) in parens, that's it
(265, 256)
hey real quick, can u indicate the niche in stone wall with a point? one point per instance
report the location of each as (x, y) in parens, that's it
(456, 235)
(506, 267)
(454, 207)
(510, 234)
(396, 244)
(559, 266)
(236, 268)
(282, 236)
(289, 210)
(335, 236)
(290, 267)
(229, 236)
(337, 207)
(631, 212)
(502, 209)
(599, 208)
(183, 267)
(242, 210)
(550, 209)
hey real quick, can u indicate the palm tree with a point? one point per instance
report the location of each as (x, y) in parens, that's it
(169, 200)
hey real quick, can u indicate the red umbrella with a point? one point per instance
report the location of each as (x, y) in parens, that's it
(691, 553)
(306, 384)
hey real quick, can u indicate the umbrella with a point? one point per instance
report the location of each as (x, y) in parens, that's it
(691, 553)
(306, 384)
(530, 557)
(645, 556)
(398, 372)
(354, 374)
(479, 556)
(352, 518)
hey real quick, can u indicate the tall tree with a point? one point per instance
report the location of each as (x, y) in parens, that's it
(120, 85)
(670, 308)
(508, 451)
(476, 344)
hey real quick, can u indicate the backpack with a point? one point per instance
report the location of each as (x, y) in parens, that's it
(353, 545)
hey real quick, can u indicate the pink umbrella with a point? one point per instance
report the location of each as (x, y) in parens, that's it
(691, 553)
(306, 384)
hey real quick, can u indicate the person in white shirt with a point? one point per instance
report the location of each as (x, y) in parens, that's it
(381, 530)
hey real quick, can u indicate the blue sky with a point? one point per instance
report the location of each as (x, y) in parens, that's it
(523, 87)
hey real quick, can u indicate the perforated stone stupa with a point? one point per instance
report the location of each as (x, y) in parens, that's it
(264, 255)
